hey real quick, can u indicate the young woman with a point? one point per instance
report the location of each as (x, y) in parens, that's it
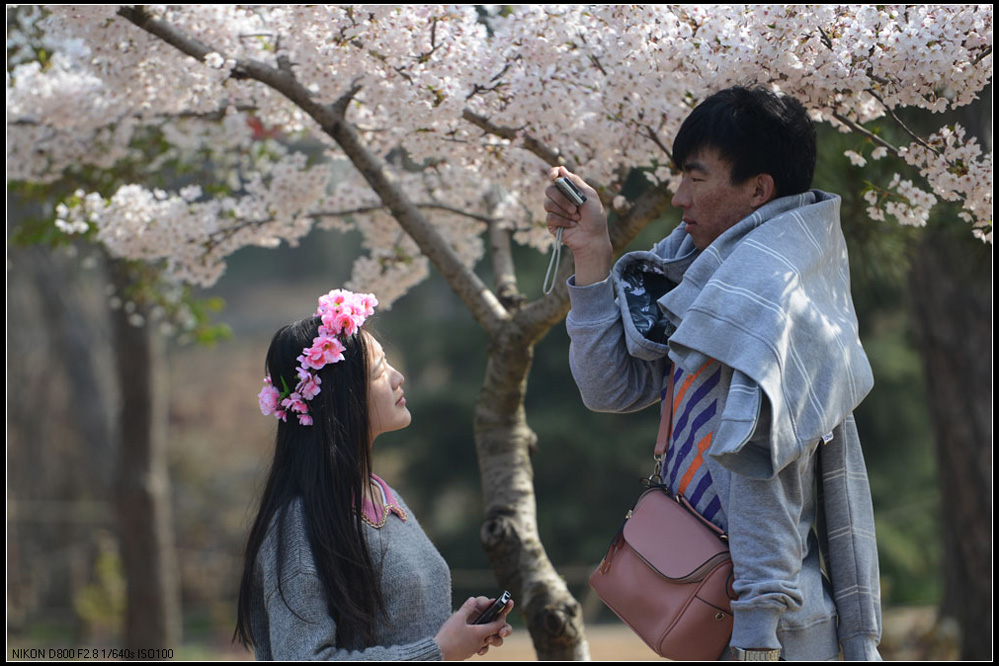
(336, 566)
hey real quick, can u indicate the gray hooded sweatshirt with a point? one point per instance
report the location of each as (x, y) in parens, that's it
(761, 334)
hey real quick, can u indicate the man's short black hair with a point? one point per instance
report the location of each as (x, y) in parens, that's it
(756, 131)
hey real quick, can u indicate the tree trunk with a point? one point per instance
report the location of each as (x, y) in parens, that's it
(504, 444)
(950, 279)
(80, 344)
(143, 487)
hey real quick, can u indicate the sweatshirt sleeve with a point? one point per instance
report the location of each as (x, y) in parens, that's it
(768, 542)
(609, 379)
(305, 631)
(766, 556)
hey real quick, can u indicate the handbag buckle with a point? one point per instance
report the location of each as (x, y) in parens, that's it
(656, 479)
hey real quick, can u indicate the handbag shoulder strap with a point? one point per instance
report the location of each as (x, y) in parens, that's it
(666, 416)
(665, 429)
(662, 443)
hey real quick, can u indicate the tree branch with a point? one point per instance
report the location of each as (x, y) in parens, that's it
(982, 56)
(651, 133)
(860, 129)
(894, 116)
(481, 302)
(532, 145)
(431, 206)
(138, 15)
(504, 271)
(548, 156)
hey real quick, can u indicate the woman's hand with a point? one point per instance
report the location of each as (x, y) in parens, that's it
(459, 639)
(584, 228)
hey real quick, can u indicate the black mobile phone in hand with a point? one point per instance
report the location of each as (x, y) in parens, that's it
(494, 609)
(571, 192)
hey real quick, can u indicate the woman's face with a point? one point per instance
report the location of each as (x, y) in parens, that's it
(386, 402)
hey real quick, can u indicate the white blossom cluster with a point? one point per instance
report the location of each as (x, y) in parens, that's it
(470, 110)
(957, 170)
(908, 204)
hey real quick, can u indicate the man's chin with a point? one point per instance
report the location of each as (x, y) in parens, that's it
(692, 231)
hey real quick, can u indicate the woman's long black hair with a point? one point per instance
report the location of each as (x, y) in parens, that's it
(327, 465)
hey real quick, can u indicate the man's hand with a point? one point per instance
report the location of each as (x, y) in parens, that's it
(584, 228)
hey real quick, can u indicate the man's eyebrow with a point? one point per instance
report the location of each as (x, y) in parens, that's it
(694, 165)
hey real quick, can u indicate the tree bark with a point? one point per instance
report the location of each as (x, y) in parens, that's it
(504, 444)
(951, 290)
(143, 487)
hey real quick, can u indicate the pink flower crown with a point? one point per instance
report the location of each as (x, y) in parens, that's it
(343, 312)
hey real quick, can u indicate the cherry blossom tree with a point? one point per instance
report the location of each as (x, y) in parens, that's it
(445, 120)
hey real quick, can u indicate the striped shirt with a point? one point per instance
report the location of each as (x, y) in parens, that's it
(698, 403)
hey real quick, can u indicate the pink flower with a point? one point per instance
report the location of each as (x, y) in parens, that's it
(330, 348)
(309, 387)
(348, 323)
(343, 312)
(312, 358)
(295, 403)
(368, 302)
(305, 419)
(333, 300)
(268, 397)
(329, 326)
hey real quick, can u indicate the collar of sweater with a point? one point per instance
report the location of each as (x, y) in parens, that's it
(376, 513)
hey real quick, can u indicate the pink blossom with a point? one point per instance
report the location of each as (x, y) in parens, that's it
(348, 323)
(328, 348)
(268, 397)
(312, 358)
(309, 387)
(324, 350)
(305, 419)
(368, 304)
(333, 300)
(329, 326)
(295, 403)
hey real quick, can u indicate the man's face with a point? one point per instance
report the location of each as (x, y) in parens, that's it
(711, 203)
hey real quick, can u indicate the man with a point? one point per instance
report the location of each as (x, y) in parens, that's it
(747, 307)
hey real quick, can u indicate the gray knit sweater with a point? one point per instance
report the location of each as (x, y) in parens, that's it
(291, 622)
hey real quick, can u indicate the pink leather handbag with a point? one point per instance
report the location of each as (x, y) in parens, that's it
(668, 572)
(668, 577)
